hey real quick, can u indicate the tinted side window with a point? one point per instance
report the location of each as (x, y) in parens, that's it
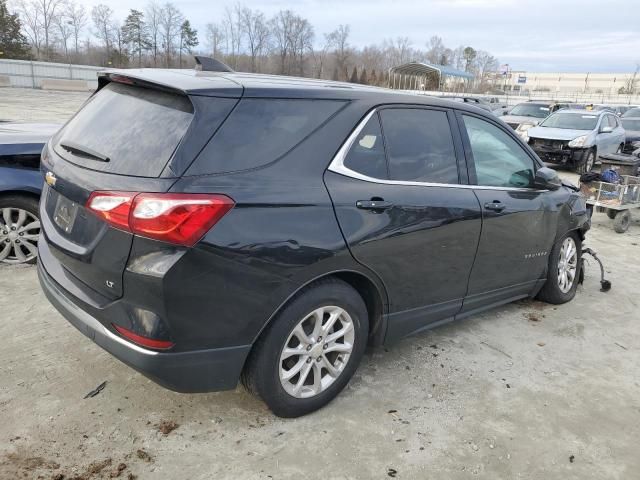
(366, 155)
(499, 160)
(259, 131)
(419, 145)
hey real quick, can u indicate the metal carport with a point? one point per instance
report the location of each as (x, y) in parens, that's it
(413, 75)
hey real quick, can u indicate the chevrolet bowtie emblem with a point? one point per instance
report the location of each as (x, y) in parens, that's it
(50, 178)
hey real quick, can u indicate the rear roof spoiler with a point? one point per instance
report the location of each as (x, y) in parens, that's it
(208, 64)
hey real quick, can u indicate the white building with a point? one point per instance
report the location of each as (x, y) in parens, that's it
(570, 83)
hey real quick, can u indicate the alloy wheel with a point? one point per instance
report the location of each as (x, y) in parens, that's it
(316, 352)
(567, 264)
(19, 232)
(590, 162)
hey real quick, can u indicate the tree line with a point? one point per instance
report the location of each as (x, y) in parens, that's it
(159, 35)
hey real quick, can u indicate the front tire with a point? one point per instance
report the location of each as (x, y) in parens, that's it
(563, 271)
(310, 351)
(587, 162)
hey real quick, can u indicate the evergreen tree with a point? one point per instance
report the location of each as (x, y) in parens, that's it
(188, 39)
(364, 80)
(136, 34)
(373, 79)
(354, 75)
(13, 44)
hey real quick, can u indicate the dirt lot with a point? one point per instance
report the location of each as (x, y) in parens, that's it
(526, 391)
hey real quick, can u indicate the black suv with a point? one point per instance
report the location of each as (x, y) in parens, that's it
(204, 227)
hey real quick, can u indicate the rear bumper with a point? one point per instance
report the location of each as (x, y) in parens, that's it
(192, 371)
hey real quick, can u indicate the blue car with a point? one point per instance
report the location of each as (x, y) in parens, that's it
(20, 187)
(577, 138)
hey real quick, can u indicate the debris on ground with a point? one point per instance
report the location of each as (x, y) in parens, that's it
(167, 426)
(541, 344)
(96, 391)
(392, 472)
(532, 317)
(118, 471)
(142, 455)
(95, 468)
(572, 458)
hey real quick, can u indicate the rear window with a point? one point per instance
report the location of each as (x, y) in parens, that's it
(126, 130)
(260, 131)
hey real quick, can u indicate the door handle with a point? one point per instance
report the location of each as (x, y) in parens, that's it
(377, 204)
(496, 206)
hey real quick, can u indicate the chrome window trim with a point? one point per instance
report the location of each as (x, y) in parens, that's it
(337, 166)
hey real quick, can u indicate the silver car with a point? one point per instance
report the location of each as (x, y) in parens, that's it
(577, 138)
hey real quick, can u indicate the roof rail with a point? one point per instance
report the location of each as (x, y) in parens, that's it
(208, 64)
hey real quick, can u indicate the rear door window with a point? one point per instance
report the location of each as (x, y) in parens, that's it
(366, 155)
(260, 131)
(419, 145)
(126, 130)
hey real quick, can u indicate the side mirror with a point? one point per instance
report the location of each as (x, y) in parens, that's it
(606, 130)
(547, 179)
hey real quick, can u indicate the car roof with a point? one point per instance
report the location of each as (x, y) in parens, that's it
(27, 133)
(235, 84)
(576, 111)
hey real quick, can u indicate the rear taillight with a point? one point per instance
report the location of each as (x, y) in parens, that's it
(180, 218)
(143, 341)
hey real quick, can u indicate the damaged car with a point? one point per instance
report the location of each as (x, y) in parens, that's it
(576, 138)
(267, 229)
(632, 131)
(529, 114)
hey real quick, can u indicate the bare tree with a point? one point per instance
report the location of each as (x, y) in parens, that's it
(32, 23)
(102, 17)
(65, 31)
(232, 36)
(76, 16)
(436, 51)
(254, 28)
(339, 40)
(153, 15)
(215, 37)
(281, 25)
(170, 22)
(301, 41)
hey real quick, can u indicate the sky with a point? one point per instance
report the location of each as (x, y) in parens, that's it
(535, 36)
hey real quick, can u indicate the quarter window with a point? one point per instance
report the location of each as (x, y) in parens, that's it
(366, 155)
(499, 160)
(419, 145)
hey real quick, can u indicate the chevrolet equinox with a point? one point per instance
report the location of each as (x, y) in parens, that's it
(205, 227)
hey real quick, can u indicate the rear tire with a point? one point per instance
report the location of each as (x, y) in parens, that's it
(18, 245)
(622, 221)
(556, 290)
(291, 366)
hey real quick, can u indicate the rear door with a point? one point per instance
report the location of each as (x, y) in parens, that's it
(121, 140)
(518, 220)
(404, 213)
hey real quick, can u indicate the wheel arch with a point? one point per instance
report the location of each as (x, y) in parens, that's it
(20, 193)
(372, 292)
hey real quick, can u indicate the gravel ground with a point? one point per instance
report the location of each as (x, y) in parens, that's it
(525, 391)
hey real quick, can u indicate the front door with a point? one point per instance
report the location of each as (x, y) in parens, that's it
(404, 214)
(518, 220)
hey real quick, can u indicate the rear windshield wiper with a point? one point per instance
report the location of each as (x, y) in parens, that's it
(83, 151)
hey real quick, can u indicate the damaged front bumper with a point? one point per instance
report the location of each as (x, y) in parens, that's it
(560, 154)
